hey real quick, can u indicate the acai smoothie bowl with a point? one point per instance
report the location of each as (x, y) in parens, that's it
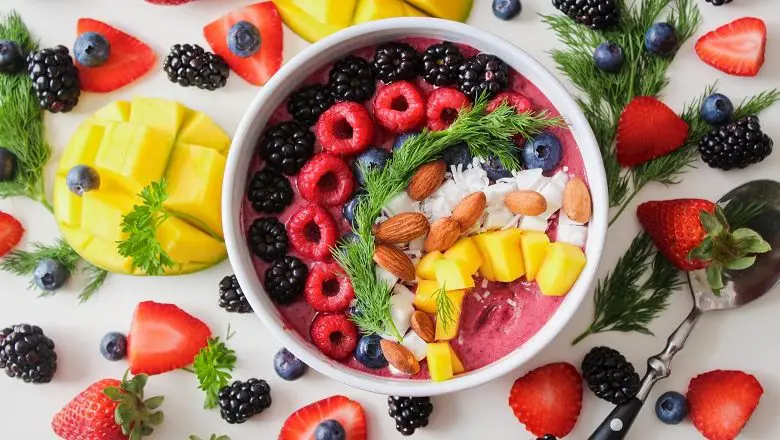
(414, 207)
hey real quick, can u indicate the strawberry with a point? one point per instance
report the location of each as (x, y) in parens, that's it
(648, 129)
(128, 60)
(548, 400)
(261, 65)
(11, 232)
(163, 337)
(695, 234)
(302, 423)
(721, 402)
(737, 48)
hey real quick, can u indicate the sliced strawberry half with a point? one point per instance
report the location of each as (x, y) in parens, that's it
(648, 129)
(257, 68)
(128, 60)
(302, 423)
(721, 402)
(163, 337)
(737, 48)
(11, 232)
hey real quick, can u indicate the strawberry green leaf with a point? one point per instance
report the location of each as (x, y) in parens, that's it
(715, 277)
(113, 393)
(711, 223)
(750, 242)
(154, 402)
(740, 263)
(720, 216)
(703, 251)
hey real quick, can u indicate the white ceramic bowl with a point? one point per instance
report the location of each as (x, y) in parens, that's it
(338, 45)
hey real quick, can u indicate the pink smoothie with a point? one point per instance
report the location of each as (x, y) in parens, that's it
(496, 319)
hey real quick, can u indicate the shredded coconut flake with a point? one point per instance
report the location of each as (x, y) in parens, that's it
(511, 302)
(484, 283)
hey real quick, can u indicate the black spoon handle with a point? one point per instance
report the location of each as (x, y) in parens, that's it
(616, 425)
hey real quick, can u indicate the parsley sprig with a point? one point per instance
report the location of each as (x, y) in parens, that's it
(213, 366)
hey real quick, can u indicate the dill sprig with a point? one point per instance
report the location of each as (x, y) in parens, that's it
(21, 122)
(94, 278)
(445, 308)
(740, 213)
(485, 134)
(213, 366)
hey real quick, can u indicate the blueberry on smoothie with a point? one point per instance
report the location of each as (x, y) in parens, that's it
(369, 352)
(543, 151)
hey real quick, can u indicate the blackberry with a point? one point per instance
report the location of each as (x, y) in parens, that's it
(736, 145)
(309, 102)
(55, 79)
(352, 79)
(268, 238)
(287, 146)
(269, 191)
(718, 2)
(231, 297)
(190, 65)
(440, 64)
(241, 400)
(609, 375)
(596, 14)
(483, 73)
(409, 413)
(396, 62)
(26, 353)
(285, 279)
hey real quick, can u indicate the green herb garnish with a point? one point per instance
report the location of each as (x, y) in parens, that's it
(445, 308)
(134, 413)
(213, 366)
(212, 437)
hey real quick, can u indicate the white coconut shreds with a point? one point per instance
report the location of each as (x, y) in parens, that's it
(511, 302)
(401, 203)
(484, 283)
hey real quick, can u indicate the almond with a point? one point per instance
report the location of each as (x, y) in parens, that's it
(577, 204)
(399, 357)
(443, 234)
(526, 202)
(422, 324)
(469, 210)
(426, 179)
(402, 228)
(394, 261)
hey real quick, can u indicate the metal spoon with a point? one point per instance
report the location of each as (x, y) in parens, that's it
(741, 288)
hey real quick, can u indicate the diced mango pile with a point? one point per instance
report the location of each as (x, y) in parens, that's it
(132, 144)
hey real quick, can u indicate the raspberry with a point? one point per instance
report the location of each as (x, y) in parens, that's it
(326, 179)
(443, 107)
(328, 289)
(335, 335)
(520, 103)
(312, 232)
(345, 129)
(399, 107)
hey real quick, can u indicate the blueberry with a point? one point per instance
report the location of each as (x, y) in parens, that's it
(458, 154)
(7, 165)
(91, 49)
(716, 109)
(329, 430)
(608, 57)
(372, 159)
(113, 346)
(369, 352)
(400, 139)
(11, 57)
(495, 169)
(81, 179)
(348, 237)
(244, 39)
(289, 367)
(506, 9)
(543, 151)
(671, 408)
(353, 310)
(661, 39)
(348, 211)
(50, 275)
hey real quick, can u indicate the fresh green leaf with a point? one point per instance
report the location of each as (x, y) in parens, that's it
(213, 437)
(154, 402)
(113, 393)
(715, 277)
(156, 419)
(750, 242)
(135, 415)
(703, 251)
(445, 308)
(740, 263)
(711, 223)
(213, 366)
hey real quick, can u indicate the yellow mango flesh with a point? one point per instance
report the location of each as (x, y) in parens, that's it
(426, 268)
(118, 111)
(368, 10)
(184, 242)
(439, 361)
(453, 275)
(82, 147)
(457, 10)
(446, 331)
(162, 115)
(457, 364)
(534, 246)
(411, 11)
(199, 129)
(501, 249)
(102, 212)
(67, 206)
(485, 269)
(424, 297)
(465, 252)
(132, 155)
(560, 269)
(302, 23)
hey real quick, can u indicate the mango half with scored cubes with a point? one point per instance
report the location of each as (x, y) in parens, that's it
(130, 145)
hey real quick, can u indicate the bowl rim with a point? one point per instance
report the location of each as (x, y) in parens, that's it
(237, 168)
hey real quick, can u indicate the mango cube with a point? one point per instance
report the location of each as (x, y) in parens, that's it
(501, 249)
(117, 111)
(185, 243)
(457, 10)
(67, 205)
(102, 213)
(369, 10)
(162, 115)
(133, 155)
(304, 17)
(440, 361)
(534, 245)
(486, 268)
(561, 268)
(425, 296)
(104, 254)
(446, 331)
(77, 238)
(199, 129)
(464, 251)
(453, 275)
(83, 147)
(411, 11)
(426, 268)
(457, 364)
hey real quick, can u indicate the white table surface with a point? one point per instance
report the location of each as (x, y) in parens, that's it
(745, 340)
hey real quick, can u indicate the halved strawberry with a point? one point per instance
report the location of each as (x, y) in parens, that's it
(260, 66)
(648, 129)
(548, 400)
(302, 423)
(737, 48)
(721, 402)
(163, 337)
(11, 232)
(128, 60)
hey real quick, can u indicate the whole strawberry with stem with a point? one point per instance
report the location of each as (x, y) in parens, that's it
(110, 409)
(695, 234)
